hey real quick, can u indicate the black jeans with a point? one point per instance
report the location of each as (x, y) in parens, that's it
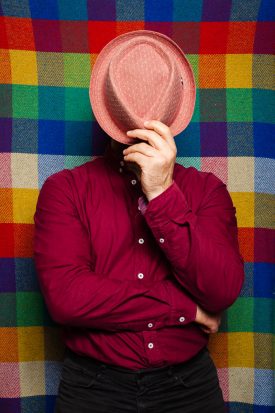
(90, 386)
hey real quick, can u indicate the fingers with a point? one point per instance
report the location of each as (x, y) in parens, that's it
(143, 148)
(151, 137)
(162, 130)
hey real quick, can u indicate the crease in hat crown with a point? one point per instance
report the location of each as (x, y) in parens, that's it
(138, 76)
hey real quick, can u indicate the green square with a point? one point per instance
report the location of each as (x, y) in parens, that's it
(239, 105)
(29, 308)
(77, 104)
(5, 101)
(77, 69)
(72, 161)
(8, 310)
(194, 62)
(190, 161)
(240, 315)
(25, 101)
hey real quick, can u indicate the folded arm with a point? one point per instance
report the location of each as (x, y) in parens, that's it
(202, 246)
(74, 294)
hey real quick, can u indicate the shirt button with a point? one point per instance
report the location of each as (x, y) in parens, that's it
(133, 181)
(161, 240)
(150, 324)
(139, 208)
(150, 345)
(121, 163)
(120, 169)
(141, 240)
(140, 275)
(182, 319)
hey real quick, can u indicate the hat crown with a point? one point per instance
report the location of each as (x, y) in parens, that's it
(140, 80)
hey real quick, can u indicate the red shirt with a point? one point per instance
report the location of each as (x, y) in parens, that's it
(123, 276)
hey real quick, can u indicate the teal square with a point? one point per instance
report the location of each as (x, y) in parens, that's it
(263, 315)
(240, 315)
(263, 105)
(29, 309)
(77, 104)
(186, 12)
(239, 105)
(73, 161)
(51, 103)
(25, 101)
(5, 101)
(8, 310)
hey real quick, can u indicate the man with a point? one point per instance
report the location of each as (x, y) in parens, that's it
(137, 256)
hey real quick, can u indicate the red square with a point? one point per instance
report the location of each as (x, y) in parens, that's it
(241, 37)
(264, 38)
(6, 241)
(23, 240)
(187, 36)
(47, 35)
(3, 34)
(100, 33)
(74, 35)
(19, 33)
(214, 37)
(125, 27)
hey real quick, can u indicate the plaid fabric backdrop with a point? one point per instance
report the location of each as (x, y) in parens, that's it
(47, 51)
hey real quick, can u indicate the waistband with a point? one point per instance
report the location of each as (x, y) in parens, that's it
(87, 363)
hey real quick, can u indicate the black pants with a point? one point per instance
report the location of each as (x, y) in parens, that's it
(89, 386)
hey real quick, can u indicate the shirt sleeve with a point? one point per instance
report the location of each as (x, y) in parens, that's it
(77, 296)
(202, 247)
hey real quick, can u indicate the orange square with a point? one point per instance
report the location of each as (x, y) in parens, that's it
(241, 37)
(8, 345)
(128, 26)
(246, 243)
(5, 73)
(6, 205)
(23, 240)
(212, 72)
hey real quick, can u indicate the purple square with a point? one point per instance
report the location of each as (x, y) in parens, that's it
(264, 38)
(101, 10)
(5, 134)
(216, 10)
(162, 27)
(213, 139)
(7, 271)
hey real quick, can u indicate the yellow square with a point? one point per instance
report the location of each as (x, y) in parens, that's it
(241, 174)
(244, 202)
(240, 349)
(31, 343)
(239, 70)
(24, 204)
(23, 67)
(24, 169)
(32, 378)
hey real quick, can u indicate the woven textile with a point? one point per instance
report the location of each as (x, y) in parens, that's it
(47, 51)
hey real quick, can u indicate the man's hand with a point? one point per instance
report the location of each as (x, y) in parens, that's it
(209, 322)
(156, 157)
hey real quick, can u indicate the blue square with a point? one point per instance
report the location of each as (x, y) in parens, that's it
(51, 137)
(78, 139)
(41, 9)
(26, 277)
(15, 8)
(158, 11)
(263, 387)
(264, 142)
(185, 12)
(264, 172)
(48, 165)
(240, 139)
(188, 141)
(76, 10)
(264, 283)
(24, 135)
(51, 102)
(248, 285)
(244, 11)
(266, 11)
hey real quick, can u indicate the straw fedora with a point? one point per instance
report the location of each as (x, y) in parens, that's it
(141, 75)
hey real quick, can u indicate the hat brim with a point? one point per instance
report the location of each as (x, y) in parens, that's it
(99, 71)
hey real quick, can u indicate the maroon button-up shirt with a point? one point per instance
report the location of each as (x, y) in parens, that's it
(122, 275)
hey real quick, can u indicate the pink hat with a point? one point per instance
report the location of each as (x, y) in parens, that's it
(141, 75)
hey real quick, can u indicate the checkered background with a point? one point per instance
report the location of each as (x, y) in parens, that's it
(47, 51)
